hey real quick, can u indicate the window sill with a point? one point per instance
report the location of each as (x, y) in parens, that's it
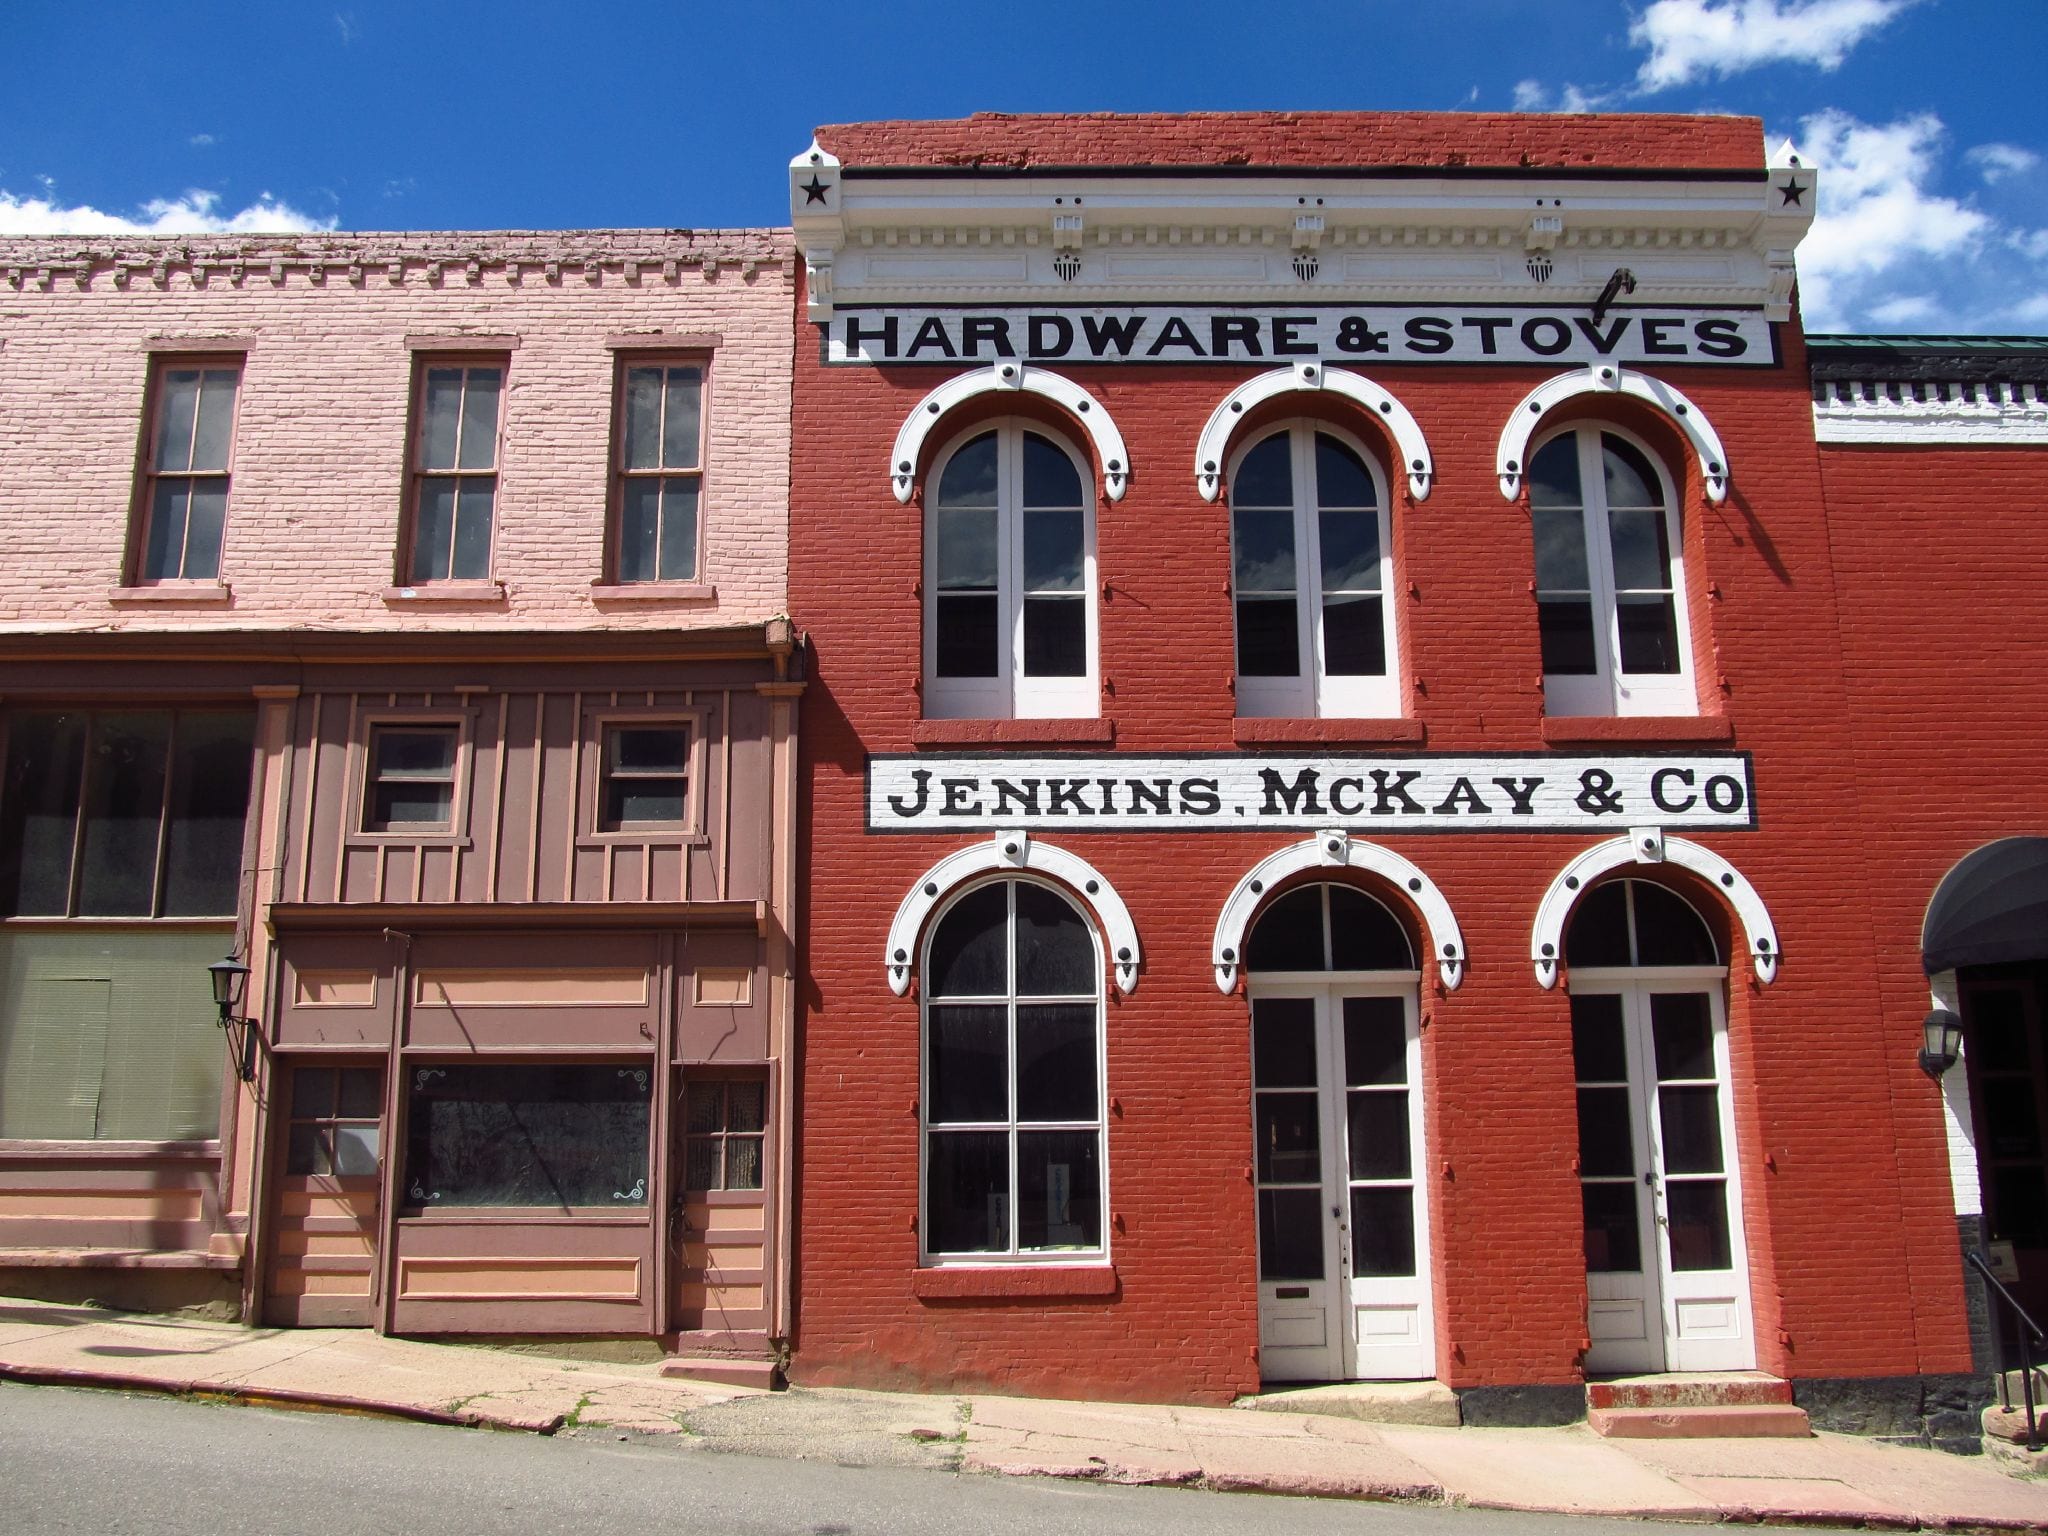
(174, 594)
(1258, 732)
(447, 592)
(994, 1282)
(970, 733)
(1572, 729)
(116, 1258)
(602, 592)
(23, 1150)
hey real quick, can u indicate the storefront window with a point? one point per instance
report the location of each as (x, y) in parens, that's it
(724, 1121)
(553, 1137)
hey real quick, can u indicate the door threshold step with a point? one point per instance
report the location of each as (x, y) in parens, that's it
(1689, 1389)
(722, 1370)
(1374, 1402)
(1731, 1421)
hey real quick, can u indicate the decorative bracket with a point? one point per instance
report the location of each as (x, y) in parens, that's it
(1061, 390)
(1214, 443)
(1336, 848)
(1649, 845)
(1512, 456)
(1010, 851)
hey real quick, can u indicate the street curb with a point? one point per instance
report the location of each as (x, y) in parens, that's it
(275, 1397)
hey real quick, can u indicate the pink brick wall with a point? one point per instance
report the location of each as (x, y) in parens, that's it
(320, 449)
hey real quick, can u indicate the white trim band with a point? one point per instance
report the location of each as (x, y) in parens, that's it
(933, 409)
(1214, 443)
(1512, 457)
(1013, 850)
(1649, 845)
(1334, 848)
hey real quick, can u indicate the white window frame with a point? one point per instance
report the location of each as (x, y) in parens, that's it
(1010, 695)
(1311, 692)
(927, 1257)
(1608, 690)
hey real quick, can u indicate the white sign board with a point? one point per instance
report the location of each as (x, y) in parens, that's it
(1424, 793)
(1356, 334)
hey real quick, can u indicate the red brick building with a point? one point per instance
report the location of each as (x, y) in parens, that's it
(1340, 661)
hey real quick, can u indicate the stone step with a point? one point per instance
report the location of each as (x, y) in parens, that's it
(722, 1370)
(1374, 1402)
(1712, 1421)
(1702, 1389)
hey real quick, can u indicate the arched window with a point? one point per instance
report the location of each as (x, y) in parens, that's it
(1610, 578)
(1010, 579)
(1328, 928)
(1310, 576)
(1013, 1093)
(1637, 923)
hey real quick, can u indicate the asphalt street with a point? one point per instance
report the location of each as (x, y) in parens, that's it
(105, 1462)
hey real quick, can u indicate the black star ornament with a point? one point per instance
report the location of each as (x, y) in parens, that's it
(813, 190)
(1793, 194)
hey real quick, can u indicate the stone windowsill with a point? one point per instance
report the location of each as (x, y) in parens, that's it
(602, 592)
(995, 1282)
(979, 733)
(174, 594)
(447, 592)
(1561, 730)
(1261, 732)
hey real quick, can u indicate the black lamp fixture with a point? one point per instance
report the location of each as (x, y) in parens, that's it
(1623, 281)
(229, 977)
(1942, 1045)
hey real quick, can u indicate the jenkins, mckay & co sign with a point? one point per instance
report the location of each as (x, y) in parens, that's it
(1391, 333)
(1393, 794)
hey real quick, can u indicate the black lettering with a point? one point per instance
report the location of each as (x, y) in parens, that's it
(1725, 794)
(1523, 793)
(1106, 334)
(1044, 327)
(1657, 797)
(1300, 796)
(957, 791)
(857, 335)
(1597, 795)
(1227, 331)
(1488, 326)
(1428, 334)
(1024, 796)
(1198, 797)
(1657, 338)
(1606, 341)
(922, 778)
(931, 334)
(1720, 338)
(1353, 787)
(1066, 798)
(1355, 334)
(1560, 335)
(1462, 793)
(1389, 787)
(978, 331)
(1287, 337)
(1175, 333)
(1108, 796)
(1149, 795)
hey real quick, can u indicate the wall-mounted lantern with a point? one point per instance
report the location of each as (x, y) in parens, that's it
(230, 977)
(1942, 1045)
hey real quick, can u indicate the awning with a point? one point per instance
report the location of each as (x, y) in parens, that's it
(1991, 908)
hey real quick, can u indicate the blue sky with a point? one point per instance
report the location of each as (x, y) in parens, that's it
(374, 114)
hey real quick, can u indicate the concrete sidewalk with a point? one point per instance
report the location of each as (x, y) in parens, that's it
(1829, 1479)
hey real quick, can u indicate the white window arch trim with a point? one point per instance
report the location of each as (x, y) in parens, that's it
(1086, 411)
(1010, 853)
(1649, 845)
(1212, 448)
(1334, 848)
(1511, 458)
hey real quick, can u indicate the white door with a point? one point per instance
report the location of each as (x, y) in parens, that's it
(1343, 1221)
(1667, 1275)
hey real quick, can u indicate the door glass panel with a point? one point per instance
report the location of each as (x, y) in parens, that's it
(1265, 476)
(967, 1073)
(967, 1191)
(1354, 638)
(1365, 936)
(1059, 1190)
(1265, 551)
(1598, 934)
(1598, 1054)
(1289, 936)
(1268, 637)
(1606, 1144)
(1998, 1039)
(1284, 1042)
(1668, 930)
(970, 477)
(1378, 1135)
(1375, 1041)
(1382, 1232)
(309, 1152)
(2019, 1206)
(2011, 1130)
(1697, 1210)
(1690, 1120)
(1291, 1234)
(1055, 956)
(1290, 1138)
(1613, 1238)
(1055, 1062)
(968, 956)
(1683, 1028)
(1050, 479)
(355, 1150)
(1055, 637)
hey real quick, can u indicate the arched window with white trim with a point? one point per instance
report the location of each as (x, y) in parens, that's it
(1010, 578)
(1610, 577)
(1014, 1161)
(1310, 575)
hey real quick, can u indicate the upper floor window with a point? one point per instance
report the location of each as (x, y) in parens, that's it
(1009, 579)
(185, 470)
(1610, 583)
(660, 473)
(454, 471)
(410, 786)
(1310, 576)
(645, 777)
(124, 812)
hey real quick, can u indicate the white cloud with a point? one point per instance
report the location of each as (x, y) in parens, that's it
(202, 140)
(1906, 309)
(1995, 162)
(193, 213)
(1535, 96)
(345, 24)
(1691, 38)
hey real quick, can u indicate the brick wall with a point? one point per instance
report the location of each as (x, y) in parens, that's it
(320, 447)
